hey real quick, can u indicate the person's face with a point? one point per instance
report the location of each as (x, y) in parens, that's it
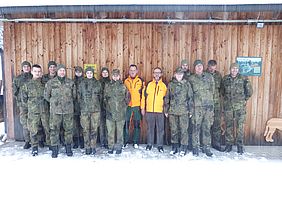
(199, 69)
(61, 72)
(26, 69)
(178, 76)
(185, 66)
(212, 69)
(157, 74)
(116, 77)
(52, 70)
(89, 74)
(36, 73)
(105, 74)
(78, 74)
(133, 72)
(234, 72)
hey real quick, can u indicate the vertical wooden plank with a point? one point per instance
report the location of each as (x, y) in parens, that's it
(177, 46)
(114, 44)
(210, 41)
(228, 51)
(149, 51)
(91, 44)
(28, 42)
(57, 41)
(170, 51)
(204, 32)
(136, 34)
(39, 44)
(164, 46)
(51, 44)
(80, 43)
(74, 47)
(125, 49)
(68, 49)
(109, 46)
(46, 51)
(63, 54)
(23, 41)
(96, 56)
(188, 46)
(131, 44)
(234, 50)
(102, 30)
(8, 43)
(143, 51)
(18, 58)
(120, 47)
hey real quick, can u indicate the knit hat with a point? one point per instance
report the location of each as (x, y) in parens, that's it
(104, 69)
(78, 69)
(179, 70)
(52, 63)
(184, 62)
(59, 66)
(234, 65)
(116, 72)
(197, 62)
(26, 63)
(89, 69)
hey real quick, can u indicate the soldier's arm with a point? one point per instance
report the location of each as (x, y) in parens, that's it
(190, 100)
(143, 98)
(74, 92)
(47, 91)
(248, 90)
(167, 101)
(24, 96)
(127, 96)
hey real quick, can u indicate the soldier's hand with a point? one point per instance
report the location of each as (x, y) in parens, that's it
(143, 111)
(166, 114)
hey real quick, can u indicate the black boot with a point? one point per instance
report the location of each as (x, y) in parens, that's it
(148, 147)
(68, 150)
(160, 149)
(26, 145)
(183, 150)
(217, 146)
(195, 151)
(34, 151)
(208, 152)
(54, 151)
(228, 148)
(174, 149)
(240, 150)
(75, 142)
(88, 151)
(118, 151)
(81, 142)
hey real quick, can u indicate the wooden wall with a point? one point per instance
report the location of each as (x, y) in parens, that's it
(150, 45)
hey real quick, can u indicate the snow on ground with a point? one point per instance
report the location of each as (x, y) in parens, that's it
(139, 180)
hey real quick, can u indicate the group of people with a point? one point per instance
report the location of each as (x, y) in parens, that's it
(56, 110)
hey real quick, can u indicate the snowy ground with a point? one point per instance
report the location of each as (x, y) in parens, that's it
(139, 180)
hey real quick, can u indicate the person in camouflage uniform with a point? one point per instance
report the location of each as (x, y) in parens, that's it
(77, 127)
(184, 66)
(178, 107)
(236, 90)
(37, 107)
(202, 84)
(216, 126)
(88, 96)
(116, 98)
(105, 79)
(18, 82)
(52, 72)
(60, 92)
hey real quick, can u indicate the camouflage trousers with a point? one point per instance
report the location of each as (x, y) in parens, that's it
(202, 121)
(23, 121)
(35, 124)
(234, 120)
(134, 114)
(56, 122)
(103, 129)
(90, 123)
(115, 127)
(179, 128)
(77, 127)
(215, 128)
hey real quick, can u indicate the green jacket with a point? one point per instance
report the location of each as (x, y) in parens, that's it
(18, 82)
(179, 98)
(116, 98)
(33, 97)
(217, 83)
(46, 78)
(236, 91)
(103, 82)
(60, 95)
(89, 95)
(203, 89)
(77, 81)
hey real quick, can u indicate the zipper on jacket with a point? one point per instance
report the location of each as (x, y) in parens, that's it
(154, 97)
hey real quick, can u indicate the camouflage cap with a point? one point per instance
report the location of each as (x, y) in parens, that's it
(26, 63)
(116, 72)
(234, 65)
(59, 66)
(89, 69)
(105, 69)
(78, 69)
(52, 63)
(197, 62)
(179, 70)
(184, 62)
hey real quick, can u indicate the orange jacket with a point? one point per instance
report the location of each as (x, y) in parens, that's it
(134, 87)
(153, 96)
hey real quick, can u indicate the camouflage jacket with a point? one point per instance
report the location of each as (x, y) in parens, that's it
(60, 95)
(18, 82)
(46, 78)
(236, 91)
(89, 95)
(103, 82)
(217, 83)
(77, 81)
(179, 98)
(33, 97)
(116, 98)
(203, 89)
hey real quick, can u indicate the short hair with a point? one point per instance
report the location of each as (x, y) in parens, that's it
(158, 68)
(36, 66)
(133, 65)
(212, 63)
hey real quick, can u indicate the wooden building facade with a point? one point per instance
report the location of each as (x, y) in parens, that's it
(150, 44)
